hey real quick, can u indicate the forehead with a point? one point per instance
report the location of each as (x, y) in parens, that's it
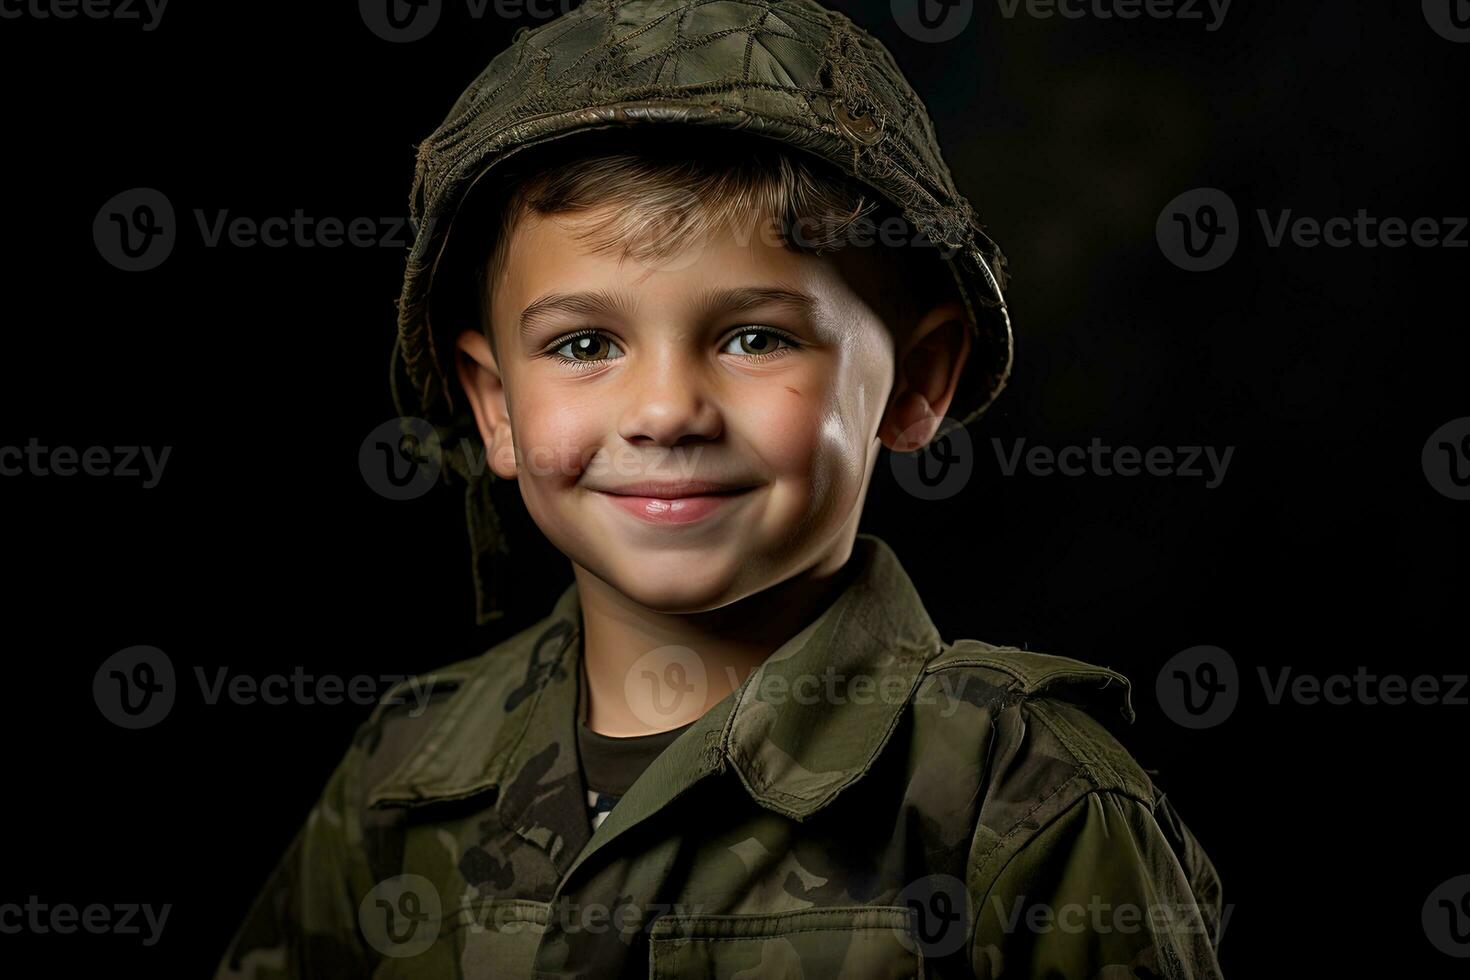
(551, 254)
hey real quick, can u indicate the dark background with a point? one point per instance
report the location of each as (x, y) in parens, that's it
(263, 549)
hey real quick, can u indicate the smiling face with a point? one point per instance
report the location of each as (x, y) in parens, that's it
(697, 428)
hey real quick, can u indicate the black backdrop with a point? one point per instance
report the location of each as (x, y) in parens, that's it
(1326, 547)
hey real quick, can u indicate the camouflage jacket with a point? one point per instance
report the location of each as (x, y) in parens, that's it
(871, 802)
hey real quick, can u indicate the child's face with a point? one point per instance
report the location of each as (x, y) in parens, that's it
(739, 363)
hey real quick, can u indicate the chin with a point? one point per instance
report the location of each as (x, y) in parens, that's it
(674, 586)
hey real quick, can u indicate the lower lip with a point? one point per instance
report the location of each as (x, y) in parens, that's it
(676, 510)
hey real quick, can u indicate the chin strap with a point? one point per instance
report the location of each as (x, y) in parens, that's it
(489, 552)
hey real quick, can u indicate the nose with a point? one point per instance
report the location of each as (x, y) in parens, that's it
(669, 402)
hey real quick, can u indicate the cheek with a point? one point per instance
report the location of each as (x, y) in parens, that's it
(553, 438)
(808, 430)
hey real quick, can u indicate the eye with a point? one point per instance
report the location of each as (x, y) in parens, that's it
(757, 342)
(588, 347)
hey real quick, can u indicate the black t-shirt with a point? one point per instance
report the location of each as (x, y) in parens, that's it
(610, 765)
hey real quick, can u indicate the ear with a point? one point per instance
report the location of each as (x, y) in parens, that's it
(929, 364)
(479, 376)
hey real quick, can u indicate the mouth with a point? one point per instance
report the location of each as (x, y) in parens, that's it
(666, 506)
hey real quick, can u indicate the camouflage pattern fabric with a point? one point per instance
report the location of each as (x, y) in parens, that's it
(871, 802)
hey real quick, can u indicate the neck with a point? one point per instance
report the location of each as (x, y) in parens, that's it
(726, 644)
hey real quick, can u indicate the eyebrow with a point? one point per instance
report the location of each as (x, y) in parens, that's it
(597, 302)
(745, 298)
(601, 302)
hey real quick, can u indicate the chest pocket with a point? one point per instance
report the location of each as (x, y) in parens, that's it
(860, 942)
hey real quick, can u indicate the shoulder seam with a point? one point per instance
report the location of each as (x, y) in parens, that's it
(1035, 831)
(1076, 743)
(943, 662)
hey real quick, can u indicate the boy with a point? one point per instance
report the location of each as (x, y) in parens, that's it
(737, 746)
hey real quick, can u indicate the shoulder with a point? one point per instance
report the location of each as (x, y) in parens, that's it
(1059, 718)
(1040, 734)
(1065, 814)
(463, 703)
(437, 729)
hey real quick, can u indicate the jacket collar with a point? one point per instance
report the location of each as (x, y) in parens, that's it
(814, 716)
(803, 726)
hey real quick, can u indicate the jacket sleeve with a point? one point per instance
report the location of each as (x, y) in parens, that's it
(1112, 888)
(303, 924)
